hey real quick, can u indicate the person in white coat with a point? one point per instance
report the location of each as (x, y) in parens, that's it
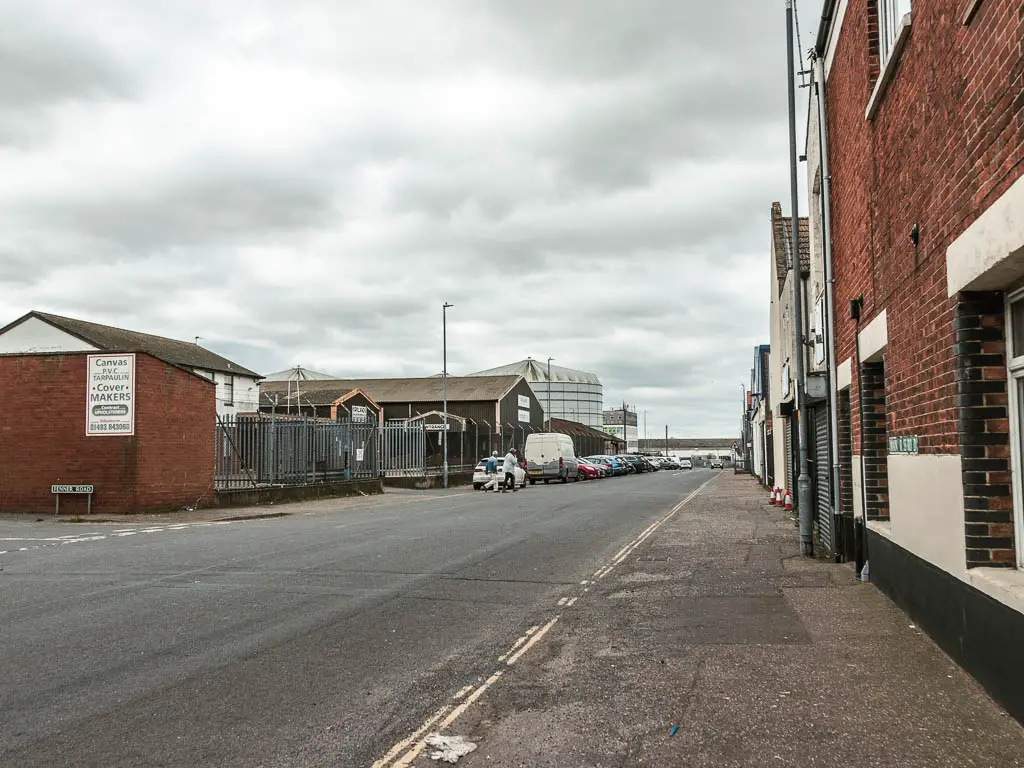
(492, 473)
(510, 470)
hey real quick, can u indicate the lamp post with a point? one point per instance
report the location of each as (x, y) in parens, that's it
(444, 379)
(549, 392)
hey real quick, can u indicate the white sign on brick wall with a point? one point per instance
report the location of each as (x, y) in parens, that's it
(110, 395)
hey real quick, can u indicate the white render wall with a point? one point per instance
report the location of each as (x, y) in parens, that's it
(37, 336)
(246, 397)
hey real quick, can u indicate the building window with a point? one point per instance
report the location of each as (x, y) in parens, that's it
(1015, 367)
(229, 389)
(890, 18)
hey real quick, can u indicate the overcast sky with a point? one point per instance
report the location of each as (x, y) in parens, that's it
(307, 183)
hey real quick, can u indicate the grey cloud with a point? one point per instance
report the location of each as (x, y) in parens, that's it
(566, 232)
(201, 206)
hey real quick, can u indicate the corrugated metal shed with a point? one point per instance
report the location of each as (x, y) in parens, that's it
(416, 390)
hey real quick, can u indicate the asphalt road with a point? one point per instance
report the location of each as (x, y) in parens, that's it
(318, 639)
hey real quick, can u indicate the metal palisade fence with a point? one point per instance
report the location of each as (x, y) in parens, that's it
(403, 450)
(260, 450)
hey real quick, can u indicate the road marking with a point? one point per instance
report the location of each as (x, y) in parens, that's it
(519, 642)
(395, 750)
(533, 640)
(409, 756)
(78, 538)
(523, 644)
(462, 692)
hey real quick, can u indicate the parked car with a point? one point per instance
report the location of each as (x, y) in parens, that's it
(551, 456)
(635, 461)
(612, 464)
(630, 469)
(603, 470)
(685, 464)
(589, 471)
(717, 464)
(670, 462)
(481, 478)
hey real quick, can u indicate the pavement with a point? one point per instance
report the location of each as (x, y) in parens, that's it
(661, 620)
(715, 643)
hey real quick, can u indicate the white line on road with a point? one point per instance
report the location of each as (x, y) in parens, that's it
(563, 601)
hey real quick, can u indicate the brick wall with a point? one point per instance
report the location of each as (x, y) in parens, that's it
(168, 463)
(875, 441)
(946, 141)
(980, 351)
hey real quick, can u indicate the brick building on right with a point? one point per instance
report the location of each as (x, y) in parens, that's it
(923, 104)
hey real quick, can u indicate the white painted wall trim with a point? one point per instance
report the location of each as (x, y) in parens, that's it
(882, 528)
(989, 254)
(887, 74)
(926, 508)
(873, 338)
(833, 36)
(1003, 584)
(858, 491)
(844, 374)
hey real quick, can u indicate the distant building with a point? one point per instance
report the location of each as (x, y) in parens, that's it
(485, 413)
(613, 424)
(574, 395)
(38, 333)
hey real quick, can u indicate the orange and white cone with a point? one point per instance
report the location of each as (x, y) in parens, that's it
(789, 500)
(771, 495)
(778, 497)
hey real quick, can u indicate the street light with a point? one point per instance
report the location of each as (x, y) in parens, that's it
(444, 379)
(549, 392)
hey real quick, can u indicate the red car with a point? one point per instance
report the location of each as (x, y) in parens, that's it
(587, 472)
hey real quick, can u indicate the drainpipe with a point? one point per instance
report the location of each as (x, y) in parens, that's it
(803, 482)
(828, 331)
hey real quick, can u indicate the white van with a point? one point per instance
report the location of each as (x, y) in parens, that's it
(551, 456)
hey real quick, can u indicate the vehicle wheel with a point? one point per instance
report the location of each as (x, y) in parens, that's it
(546, 480)
(532, 481)
(580, 476)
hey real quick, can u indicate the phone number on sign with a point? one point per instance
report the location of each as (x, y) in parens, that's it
(110, 428)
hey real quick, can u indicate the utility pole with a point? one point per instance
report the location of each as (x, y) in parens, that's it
(444, 378)
(666, 439)
(646, 440)
(803, 482)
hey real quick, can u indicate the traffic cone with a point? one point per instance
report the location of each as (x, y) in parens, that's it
(789, 500)
(771, 495)
(779, 497)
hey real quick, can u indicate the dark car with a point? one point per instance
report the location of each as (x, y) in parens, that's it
(637, 462)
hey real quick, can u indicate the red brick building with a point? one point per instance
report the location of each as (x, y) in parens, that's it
(167, 463)
(924, 106)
